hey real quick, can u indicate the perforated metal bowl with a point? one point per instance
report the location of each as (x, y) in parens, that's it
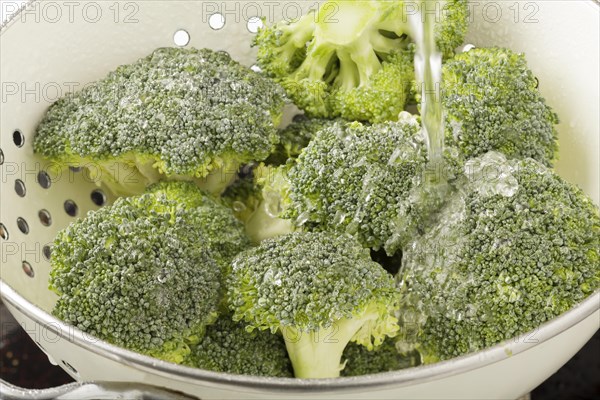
(52, 47)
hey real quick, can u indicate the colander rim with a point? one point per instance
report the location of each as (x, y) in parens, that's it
(409, 376)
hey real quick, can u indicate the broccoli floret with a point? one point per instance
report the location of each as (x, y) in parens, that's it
(295, 137)
(178, 114)
(228, 347)
(364, 180)
(352, 59)
(222, 232)
(146, 272)
(492, 103)
(515, 247)
(452, 22)
(361, 361)
(320, 291)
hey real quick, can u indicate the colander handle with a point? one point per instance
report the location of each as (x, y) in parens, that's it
(90, 390)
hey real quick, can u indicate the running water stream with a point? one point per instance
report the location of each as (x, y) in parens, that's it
(428, 69)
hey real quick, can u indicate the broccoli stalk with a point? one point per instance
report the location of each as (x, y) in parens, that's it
(318, 354)
(265, 221)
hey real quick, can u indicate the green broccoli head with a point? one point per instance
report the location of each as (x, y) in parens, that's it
(492, 103)
(352, 58)
(228, 347)
(364, 180)
(358, 179)
(361, 361)
(295, 137)
(145, 273)
(320, 291)
(177, 114)
(515, 247)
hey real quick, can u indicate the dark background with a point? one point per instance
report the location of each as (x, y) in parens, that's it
(23, 364)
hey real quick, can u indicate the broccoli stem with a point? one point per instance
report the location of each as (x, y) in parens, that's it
(263, 225)
(315, 65)
(218, 179)
(121, 178)
(318, 354)
(348, 77)
(367, 62)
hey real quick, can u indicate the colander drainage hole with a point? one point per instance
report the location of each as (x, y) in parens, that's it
(18, 138)
(20, 188)
(254, 24)
(44, 179)
(23, 225)
(181, 38)
(71, 208)
(69, 367)
(45, 217)
(216, 21)
(28, 269)
(98, 197)
(3, 232)
(47, 252)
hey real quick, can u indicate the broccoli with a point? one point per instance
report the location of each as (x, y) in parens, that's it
(361, 361)
(178, 114)
(265, 221)
(146, 273)
(514, 247)
(352, 59)
(243, 196)
(492, 103)
(228, 347)
(222, 232)
(320, 291)
(295, 137)
(365, 180)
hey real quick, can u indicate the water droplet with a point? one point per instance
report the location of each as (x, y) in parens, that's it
(352, 227)
(272, 204)
(491, 174)
(405, 116)
(238, 206)
(124, 229)
(302, 218)
(339, 218)
(471, 310)
(395, 155)
(163, 276)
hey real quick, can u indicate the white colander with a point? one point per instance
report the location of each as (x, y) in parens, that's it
(52, 47)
